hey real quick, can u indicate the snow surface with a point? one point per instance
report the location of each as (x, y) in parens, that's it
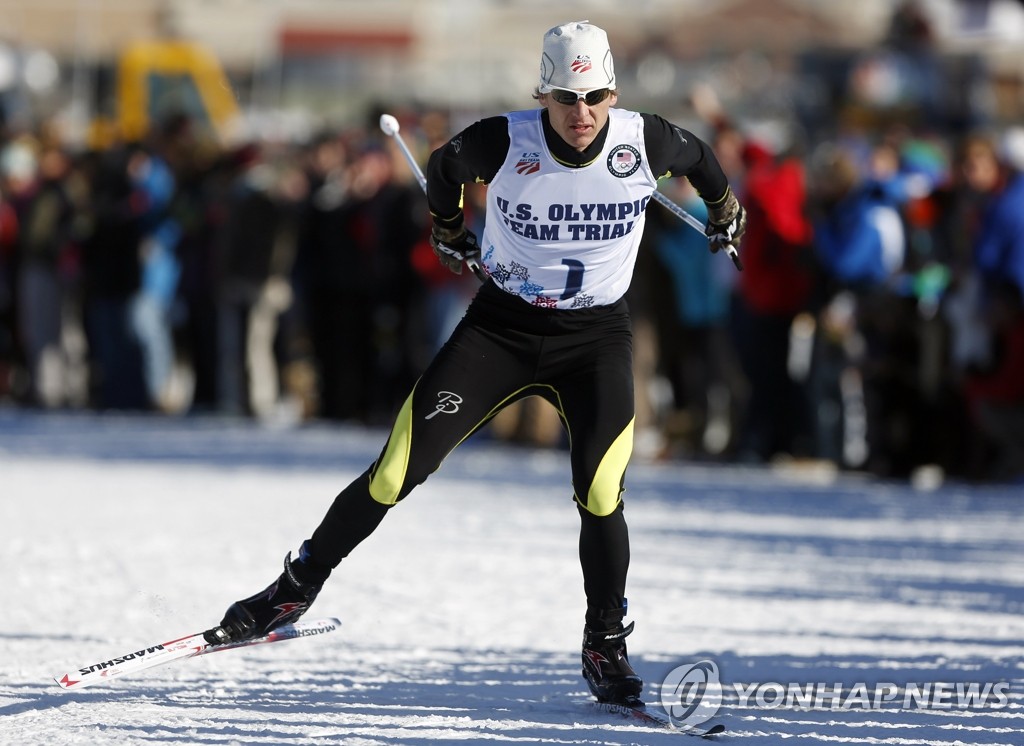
(462, 614)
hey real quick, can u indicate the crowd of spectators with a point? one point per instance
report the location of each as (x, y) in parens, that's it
(877, 325)
(178, 276)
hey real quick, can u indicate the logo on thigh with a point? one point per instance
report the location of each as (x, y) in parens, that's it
(447, 403)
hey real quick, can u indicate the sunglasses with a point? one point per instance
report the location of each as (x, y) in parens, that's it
(571, 98)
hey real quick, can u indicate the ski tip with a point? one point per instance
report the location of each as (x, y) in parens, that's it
(68, 683)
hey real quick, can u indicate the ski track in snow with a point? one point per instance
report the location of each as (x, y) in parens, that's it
(462, 614)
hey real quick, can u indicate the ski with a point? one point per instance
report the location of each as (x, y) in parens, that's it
(640, 713)
(184, 647)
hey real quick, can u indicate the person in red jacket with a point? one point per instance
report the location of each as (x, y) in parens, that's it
(8, 244)
(774, 287)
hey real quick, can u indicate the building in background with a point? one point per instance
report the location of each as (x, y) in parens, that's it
(295, 64)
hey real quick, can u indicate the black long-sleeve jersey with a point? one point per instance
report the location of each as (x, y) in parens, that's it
(476, 154)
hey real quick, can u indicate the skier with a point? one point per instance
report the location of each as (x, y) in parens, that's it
(568, 185)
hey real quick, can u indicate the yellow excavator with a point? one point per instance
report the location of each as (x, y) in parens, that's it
(162, 77)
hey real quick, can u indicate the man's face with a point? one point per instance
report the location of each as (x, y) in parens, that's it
(577, 124)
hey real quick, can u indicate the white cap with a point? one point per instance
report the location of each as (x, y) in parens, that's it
(576, 56)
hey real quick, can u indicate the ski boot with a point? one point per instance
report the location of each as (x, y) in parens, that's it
(282, 602)
(606, 667)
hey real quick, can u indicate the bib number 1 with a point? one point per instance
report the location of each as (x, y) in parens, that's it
(574, 281)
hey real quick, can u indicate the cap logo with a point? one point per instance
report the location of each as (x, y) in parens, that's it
(581, 64)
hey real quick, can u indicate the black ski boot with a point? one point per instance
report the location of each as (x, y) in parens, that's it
(280, 603)
(606, 667)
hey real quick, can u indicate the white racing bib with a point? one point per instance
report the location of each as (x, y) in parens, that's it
(563, 237)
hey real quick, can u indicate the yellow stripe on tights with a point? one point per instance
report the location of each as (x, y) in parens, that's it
(606, 489)
(387, 480)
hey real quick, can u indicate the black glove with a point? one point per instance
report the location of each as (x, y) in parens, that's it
(454, 246)
(727, 220)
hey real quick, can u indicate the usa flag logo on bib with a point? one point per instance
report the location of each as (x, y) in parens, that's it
(623, 161)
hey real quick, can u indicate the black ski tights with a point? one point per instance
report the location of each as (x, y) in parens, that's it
(352, 517)
(604, 557)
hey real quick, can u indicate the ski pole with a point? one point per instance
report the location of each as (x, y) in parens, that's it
(389, 125)
(694, 223)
